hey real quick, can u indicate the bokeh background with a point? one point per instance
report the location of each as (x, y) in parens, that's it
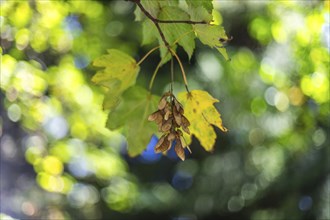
(58, 161)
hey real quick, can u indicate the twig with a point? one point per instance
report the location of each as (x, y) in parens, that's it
(145, 56)
(172, 52)
(182, 69)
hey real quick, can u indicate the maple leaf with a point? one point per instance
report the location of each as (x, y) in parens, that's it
(119, 73)
(173, 32)
(131, 115)
(200, 111)
(200, 10)
(182, 33)
(210, 35)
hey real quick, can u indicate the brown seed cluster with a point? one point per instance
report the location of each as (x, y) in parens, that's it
(170, 120)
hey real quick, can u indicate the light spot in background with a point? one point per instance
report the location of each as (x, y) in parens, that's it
(185, 217)
(114, 28)
(305, 203)
(105, 164)
(120, 195)
(8, 147)
(324, 200)
(259, 28)
(1, 126)
(164, 192)
(81, 61)
(281, 101)
(268, 214)
(210, 67)
(279, 33)
(49, 182)
(270, 161)
(35, 141)
(61, 184)
(204, 204)
(11, 94)
(296, 96)
(57, 127)
(276, 124)
(22, 38)
(82, 195)
(72, 24)
(83, 95)
(52, 165)
(189, 166)
(29, 208)
(249, 191)
(79, 167)
(316, 86)
(8, 66)
(319, 137)
(235, 204)
(14, 112)
(326, 35)
(256, 136)
(182, 180)
(121, 7)
(270, 94)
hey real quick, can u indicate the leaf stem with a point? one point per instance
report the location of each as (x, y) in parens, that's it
(154, 75)
(172, 75)
(147, 54)
(170, 50)
(182, 69)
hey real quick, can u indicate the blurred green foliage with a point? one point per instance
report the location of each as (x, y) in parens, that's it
(273, 163)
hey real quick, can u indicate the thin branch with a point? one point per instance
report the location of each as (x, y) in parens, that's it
(172, 75)
(138, 3)
(154, 74)
(172, 52)
(180, 21)
(182, 69)
(145, 56)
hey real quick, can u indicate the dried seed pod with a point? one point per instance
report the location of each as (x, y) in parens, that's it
(160, 141)
(153, 116)
(179, 149)
(162, 103)
(177, 116)
(179, 133)
(156, 116)
(171, 121)
(171, 137)
(166, 125)
(184, 143)
(186, 129)
(178, 106)
(164, 146)
(185, 124)
(167, 114)
(185, 121)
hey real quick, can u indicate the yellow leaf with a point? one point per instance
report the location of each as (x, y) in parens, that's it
(200, 111)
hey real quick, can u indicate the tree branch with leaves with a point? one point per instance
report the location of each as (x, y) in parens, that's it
(178, 119)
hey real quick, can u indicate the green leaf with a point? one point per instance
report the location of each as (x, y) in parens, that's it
(119, 73)
(210, 35)
(207, 4)
(201, 113)
(131, 115)
(149, 32)
(151, 6)
(200, 10)
(174, 31)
